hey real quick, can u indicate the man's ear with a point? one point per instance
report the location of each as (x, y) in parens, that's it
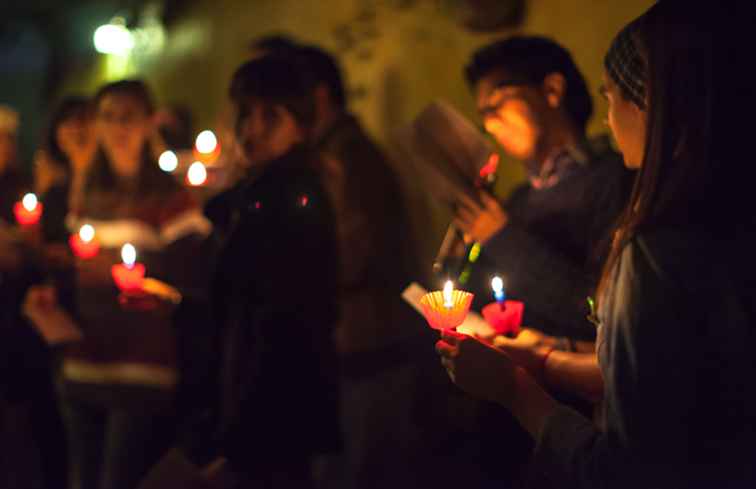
(554, 86)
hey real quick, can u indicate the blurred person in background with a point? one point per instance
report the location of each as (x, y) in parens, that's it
(118, 384)
(275, 296)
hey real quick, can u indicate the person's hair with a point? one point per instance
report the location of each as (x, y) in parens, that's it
(101, 180)
(531, 59)
(69, 108)
(276, 81)
(279, 44)
(683, 182)
(325, 69)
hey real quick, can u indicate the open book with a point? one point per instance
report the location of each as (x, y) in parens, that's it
(447, 150)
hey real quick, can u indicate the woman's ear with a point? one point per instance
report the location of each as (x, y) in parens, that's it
(554, 87)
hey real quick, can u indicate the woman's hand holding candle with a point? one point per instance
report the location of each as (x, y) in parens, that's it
(477, 368)
(528, 350)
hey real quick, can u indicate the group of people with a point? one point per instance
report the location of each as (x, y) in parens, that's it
(285, 357)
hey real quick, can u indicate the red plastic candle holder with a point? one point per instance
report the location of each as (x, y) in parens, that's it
(439, 316)
(505, 318)
(83, 249)
(128, 279)
(26, 217)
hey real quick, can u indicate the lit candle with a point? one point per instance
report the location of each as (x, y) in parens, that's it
(83, 243)
(447, 308)
(448, 294)
(497, 284)
(129, 275)
(28, 211)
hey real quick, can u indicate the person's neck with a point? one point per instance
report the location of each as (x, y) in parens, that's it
(325, 122)
(556, 139)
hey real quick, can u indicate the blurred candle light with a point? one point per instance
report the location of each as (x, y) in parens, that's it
(28, 211)
(497, 284)
(129, 275)
(113, 38)
(448, 294)
(83, 243)
(206, 142)
(168, 161)
(197, 174)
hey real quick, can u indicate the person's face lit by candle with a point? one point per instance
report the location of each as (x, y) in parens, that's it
(123, 123)
(75, 136)
(517, 114)
(265, 131)
(627, 122)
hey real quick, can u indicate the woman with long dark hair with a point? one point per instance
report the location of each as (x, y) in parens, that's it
(676, 301)
(118, 384)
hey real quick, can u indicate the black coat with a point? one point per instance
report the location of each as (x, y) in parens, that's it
(275, 302)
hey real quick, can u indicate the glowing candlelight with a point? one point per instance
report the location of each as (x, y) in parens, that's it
(497, 284)
(28, 211)
(83, 243)
(197, 174)
(168, 161)
(448, 294)
(129, 275)
(447, 308)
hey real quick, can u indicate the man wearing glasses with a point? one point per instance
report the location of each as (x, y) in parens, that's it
(548, 239)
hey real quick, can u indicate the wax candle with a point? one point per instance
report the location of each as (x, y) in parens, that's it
(505, 318)
(83, 243)
(447, 308)
(28, 211)
(129, 275)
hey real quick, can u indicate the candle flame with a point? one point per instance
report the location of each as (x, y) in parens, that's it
(29, 202)
(86, 233)
(128, 254)
(197, 174)
(206, 142)
(448, 298)
(497, 284)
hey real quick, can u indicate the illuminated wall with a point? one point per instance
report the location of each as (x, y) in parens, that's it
(398, 55)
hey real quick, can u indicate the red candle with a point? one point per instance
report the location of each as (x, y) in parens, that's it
(83, 243)
(129, 275)
(505, 320)
(28, 211)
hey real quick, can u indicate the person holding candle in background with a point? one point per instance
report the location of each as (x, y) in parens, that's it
(118, 384)
(675, 301)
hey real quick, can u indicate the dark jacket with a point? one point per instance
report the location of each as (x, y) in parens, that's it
(676, 349)
(551, 252)
(375, 248)
(275, 302)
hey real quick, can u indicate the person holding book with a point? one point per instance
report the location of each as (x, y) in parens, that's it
(675, 299)
(547, 239)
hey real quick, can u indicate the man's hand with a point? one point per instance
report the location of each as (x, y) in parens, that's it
(480, 223)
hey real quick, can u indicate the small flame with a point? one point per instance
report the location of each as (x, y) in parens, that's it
(497, 284)
(128, 255)
(86, 233)
(197, 174)
(29, 202)
(206, 142)
(168, 161)
(448, 297)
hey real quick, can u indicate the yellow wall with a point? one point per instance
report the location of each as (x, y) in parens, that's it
(411, 53)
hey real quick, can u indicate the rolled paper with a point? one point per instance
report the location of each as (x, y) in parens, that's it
(442, 315)
(506, 319)
(128, 279)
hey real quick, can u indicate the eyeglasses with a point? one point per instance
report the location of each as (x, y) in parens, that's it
(499, 94)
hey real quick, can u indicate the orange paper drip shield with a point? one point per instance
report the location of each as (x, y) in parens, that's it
(441, 317)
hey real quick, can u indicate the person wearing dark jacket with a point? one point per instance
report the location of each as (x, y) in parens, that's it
(275, 295)
(548, 239)
(676, 297)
